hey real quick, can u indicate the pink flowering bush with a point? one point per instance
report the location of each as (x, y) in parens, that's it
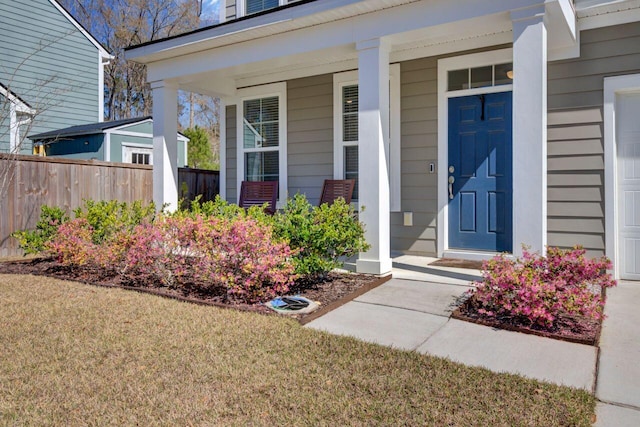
(240, 255)
(72, 243)
(538, 289)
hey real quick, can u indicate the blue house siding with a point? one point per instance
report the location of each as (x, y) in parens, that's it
(104, 141)
(82, 148)
(50, 64)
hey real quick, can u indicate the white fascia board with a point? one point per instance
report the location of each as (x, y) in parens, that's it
(119, 128)
(20, 106)
(62, 10)
(613, 13)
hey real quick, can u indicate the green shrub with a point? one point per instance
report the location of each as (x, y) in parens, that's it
(320, 235)
(109, 217)
(222, 209)
(35, 241)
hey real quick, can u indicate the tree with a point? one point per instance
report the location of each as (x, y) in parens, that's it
(199, 152)
(122, 23)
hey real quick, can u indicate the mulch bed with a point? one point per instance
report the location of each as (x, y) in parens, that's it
(567, 328)
(330, 292)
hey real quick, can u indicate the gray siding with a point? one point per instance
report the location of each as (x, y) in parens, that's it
(50, 64)
(230, 11)
(419, 147)
(310, 135)
(575, 134)
(232, 186)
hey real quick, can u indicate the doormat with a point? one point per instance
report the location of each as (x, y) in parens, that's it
(458, 263)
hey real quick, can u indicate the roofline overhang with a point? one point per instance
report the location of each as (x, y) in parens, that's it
(22, 106)
(293, 16)
(104, 53)
(311, 15)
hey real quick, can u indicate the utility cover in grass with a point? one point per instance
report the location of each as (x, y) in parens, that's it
(292, 305)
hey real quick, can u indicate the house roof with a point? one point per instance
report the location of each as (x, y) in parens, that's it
(103, 51)
(88, 129)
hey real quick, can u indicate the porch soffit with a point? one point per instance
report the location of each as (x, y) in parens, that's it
(280, 21)
(325, 41)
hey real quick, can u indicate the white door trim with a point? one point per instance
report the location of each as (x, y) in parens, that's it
(444, 66)
(613, 86)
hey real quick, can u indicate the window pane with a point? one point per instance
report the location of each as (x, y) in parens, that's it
(350, 98)
(458, 79)
(252, 110)
(269, 132)
(263, 166)
(269, 109)
(501, 71)
(255, 6)
(140, 158)
(351, 166)
(252, 137)
(350, 113)
(261, 123)
(481, 76)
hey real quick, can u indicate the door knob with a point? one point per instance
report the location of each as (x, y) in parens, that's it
(451, 181)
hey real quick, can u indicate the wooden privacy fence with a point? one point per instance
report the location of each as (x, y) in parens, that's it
(28, 182)
(194, 182)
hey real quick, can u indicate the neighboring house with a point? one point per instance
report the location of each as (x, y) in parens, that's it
(473, 126)
(126, 141)
(51, 72)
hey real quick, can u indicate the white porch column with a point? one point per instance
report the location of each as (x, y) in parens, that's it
(529, 130)
(165, 144)
(373, 174)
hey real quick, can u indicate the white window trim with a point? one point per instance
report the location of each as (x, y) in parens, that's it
(222, 124)
(444, 66)
(264, 91)
(394, 161)
(613, 86)
(241, 7)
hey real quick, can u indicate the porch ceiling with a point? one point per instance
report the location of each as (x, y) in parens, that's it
(286, 46)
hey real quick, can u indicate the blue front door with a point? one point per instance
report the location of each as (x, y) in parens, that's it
(479, 172)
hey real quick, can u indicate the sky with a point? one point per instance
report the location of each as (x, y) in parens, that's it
(210, 10)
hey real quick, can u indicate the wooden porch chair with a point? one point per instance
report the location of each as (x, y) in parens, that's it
(334, 188)
(257, 193)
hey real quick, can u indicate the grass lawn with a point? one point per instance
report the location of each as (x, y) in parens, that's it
(72, 354)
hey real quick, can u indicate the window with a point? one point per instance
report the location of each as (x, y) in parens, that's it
(349, 137)
(140, 158)
(345, 86)
(137, 154)
(486, 76)
(262, 136)
(255, 6)
(250, 7)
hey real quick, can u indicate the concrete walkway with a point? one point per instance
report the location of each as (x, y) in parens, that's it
(412, 310)
(618, 386)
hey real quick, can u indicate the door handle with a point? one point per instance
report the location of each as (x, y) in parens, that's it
(451, 181)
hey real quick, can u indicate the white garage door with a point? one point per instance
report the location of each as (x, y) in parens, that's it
(628, 133)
